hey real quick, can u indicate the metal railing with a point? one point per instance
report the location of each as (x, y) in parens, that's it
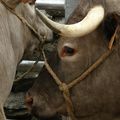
(51, 4)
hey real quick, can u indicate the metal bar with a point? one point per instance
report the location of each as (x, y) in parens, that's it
(51, 4)
(25, 65)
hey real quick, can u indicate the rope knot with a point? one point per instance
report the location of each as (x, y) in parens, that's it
(64, 87)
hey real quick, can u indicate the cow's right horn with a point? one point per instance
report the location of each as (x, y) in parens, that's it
(86, 26)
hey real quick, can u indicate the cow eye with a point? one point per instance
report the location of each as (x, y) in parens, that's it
(67, 51)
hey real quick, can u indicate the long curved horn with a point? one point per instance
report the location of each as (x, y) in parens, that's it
(86, 26)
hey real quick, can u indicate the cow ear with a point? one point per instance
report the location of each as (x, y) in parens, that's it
(110, 24)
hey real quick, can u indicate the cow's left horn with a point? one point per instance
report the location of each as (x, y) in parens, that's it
(86, 26)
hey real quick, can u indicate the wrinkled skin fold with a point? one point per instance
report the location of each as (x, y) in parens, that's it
(97, 97)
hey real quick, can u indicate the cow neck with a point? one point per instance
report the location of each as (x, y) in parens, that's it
(24, 21)
(65, 88)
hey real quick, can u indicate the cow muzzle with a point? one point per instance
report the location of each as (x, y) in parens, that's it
(37, 106)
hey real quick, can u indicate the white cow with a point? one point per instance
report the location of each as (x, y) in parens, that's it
(15, 38)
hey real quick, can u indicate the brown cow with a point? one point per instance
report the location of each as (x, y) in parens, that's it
(97, 97)
(15, 40)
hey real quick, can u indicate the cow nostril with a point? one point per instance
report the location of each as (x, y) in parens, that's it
(29, 100)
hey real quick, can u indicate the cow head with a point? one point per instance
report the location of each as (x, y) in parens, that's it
(80, 46)
(29, 42)
(29, 13)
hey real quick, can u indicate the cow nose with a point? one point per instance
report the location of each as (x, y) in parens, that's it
(29, 100)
